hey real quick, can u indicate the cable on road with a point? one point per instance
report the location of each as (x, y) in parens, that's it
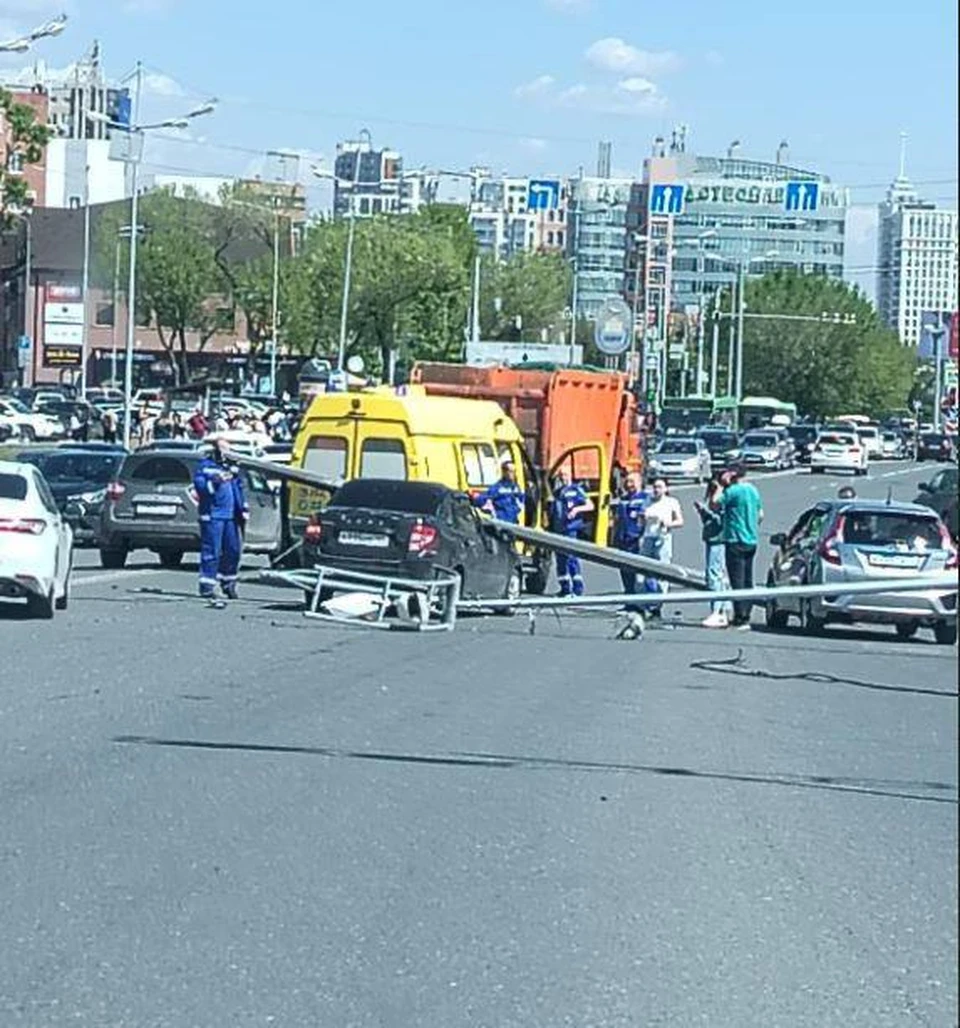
(737, 666)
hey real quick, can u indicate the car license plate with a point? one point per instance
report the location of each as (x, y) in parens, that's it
(879, 560)
(364, 539)
(156, 510)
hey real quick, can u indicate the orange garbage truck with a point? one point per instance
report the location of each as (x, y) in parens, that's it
(582, 420)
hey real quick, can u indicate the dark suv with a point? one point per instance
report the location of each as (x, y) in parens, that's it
(151, 505)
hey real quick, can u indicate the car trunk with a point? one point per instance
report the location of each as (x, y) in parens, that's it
(890, 547)
(366, 534)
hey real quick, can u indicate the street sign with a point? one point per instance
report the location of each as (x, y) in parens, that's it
(934, 334)
(667, 199)
(801, 196)
(613, 327)
(24, 351)
(543, 195)
(652, 362)
(517, 354)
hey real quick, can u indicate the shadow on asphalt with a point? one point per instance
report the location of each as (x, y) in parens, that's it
(737, 666)
(851, 634)
(892, 789)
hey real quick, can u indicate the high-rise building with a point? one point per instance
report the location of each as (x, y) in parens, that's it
(370, 181)
(916, 259)
(598, 240)
(506, 222)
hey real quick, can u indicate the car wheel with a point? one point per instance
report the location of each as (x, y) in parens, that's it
(906, 629)
(776, 618)
(171, 558)
(64, 601)
(810, 623)
(113, 558)
(28, 433)
(512, 591)
(945, 632)
(41, 607)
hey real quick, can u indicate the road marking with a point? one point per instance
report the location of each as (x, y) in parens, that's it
(112, 576)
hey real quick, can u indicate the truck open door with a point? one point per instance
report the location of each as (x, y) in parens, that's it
(587, 465)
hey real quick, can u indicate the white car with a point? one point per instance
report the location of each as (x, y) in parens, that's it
(247, 444)
(678, 457)
(27, 425)
(869, 436)
(36, 542)
(892, 443)
(839, 451)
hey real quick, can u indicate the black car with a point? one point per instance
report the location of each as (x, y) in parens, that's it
(412, 530)
(804, 439)
(940, 493)
(935, 446)
(78, 479)
(723, 446)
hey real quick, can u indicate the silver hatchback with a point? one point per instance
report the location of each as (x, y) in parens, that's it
(837, 542)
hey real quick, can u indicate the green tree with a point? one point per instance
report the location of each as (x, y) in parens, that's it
(25, 142)
(524, 296)
(824, 367)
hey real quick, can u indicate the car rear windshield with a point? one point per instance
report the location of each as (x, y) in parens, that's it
(720, 440)
(377, 494)
(760, 440)
(935, 438)
(836, 440)
(678, 446)
(802, 433)
(82, 467)
(168, 470)
(893, 529)
(13, 487)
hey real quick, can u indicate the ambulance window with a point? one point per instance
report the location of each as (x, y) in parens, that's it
(327, 456)
(480, 464)
(383, 458)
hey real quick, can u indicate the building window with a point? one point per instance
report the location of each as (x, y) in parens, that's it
(15, 162)
(103, 314)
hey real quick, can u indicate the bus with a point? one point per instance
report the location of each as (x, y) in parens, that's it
(754, 411)
(686, 415)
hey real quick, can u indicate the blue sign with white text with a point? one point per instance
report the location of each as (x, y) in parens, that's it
(801, 196)
(667, 199)
(543, 195)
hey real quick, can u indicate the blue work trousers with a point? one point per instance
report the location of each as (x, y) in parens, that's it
(656, 547)
(569, 571)
(219, 554)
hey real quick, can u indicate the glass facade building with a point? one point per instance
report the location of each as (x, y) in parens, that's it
(598, 240)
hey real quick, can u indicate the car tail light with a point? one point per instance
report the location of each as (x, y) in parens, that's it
(854, 449)
(23, 526)
(313, 532)
(115, 491)
(828, 547)
(423, 538)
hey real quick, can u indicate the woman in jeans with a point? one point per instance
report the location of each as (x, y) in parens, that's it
(715, 551)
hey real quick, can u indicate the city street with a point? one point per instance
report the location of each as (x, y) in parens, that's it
(232, 818)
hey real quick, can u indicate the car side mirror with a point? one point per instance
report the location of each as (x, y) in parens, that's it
(925, 487)
(779, 539)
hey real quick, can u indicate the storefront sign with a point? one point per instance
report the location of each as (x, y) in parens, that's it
(61, 356)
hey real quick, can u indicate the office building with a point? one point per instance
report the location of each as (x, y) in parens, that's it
(597, 240)
(916, 259)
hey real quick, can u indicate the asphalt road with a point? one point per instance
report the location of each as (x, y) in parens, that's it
(233, 818)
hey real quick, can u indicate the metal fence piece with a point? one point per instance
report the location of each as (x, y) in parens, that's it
(927, 583)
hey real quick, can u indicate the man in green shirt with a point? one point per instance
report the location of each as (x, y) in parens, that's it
(742, 512)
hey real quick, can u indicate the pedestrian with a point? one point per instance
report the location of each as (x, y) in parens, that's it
(715, 552)
(505, 500)
(663, 517)
(742, 513)
(178, 430)
(163, 428)
(109, 423)
(197, 424)
(570, 506)
(630, 518)
(223, 511)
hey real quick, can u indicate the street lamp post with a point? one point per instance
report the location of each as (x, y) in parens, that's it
(136, 133)
(21, 44)
(84, 347)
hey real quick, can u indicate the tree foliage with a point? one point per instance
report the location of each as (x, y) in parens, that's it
(26, 138)
(525, 297)
(825, 368)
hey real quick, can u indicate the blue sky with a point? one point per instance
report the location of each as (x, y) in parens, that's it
(532, 85)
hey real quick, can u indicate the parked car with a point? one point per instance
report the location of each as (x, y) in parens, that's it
(869, 436)
(78, 480)
(27, 424)
(804, 438)
(839, 451)
(764, 449)
(935, 446)
(723, 446)
(681, 457)
(150, 504)
(840, 542)
(410, 530)
(940, 494)
(36, 543)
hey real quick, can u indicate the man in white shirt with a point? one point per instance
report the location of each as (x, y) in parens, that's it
(663, 517)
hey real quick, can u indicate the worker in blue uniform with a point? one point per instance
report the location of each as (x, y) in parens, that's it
(222, 509)
(569, 510)
(629, 524)
(505, 499)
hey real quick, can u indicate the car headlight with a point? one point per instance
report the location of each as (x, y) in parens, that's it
(732, 454)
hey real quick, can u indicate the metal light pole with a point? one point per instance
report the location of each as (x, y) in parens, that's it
(715, 345)
(275, 298)
(475, 306)
(345, 305)
(116, 301)
(84, 348)
(27, 327)
(740, 309)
